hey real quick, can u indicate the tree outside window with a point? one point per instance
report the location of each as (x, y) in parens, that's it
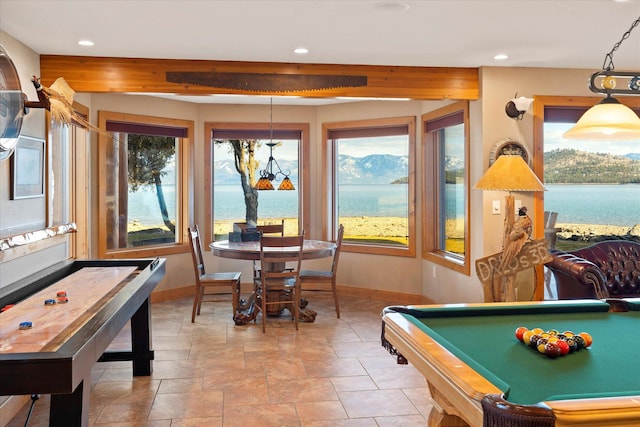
(142, 200)
(239, 154)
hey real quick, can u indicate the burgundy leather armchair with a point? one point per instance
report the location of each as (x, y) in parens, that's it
(607, 269)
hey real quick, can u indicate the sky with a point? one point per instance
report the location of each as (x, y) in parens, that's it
(397, 146)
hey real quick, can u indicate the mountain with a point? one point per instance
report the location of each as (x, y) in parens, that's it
(569, 166)
(225, 171)
(372, 169)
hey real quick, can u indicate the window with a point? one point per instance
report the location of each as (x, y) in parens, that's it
(592, 185)
(446, 201)
(373, 180)
(143, 196)
(233, 198)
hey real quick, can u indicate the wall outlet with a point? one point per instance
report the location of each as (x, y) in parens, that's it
(495, 207)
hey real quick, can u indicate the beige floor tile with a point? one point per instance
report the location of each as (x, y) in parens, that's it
(378, 403)
(186, 405)
(302, 390)
(320, 411)
(333, 372)
(282, 415)
(362, 382)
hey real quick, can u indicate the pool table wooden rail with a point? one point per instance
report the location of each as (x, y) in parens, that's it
(457, 390)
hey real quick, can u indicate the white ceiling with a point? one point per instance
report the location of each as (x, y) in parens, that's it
(451, 33)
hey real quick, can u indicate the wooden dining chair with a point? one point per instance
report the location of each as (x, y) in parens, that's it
(276, 285)
(322, 283)
(222, 283)
(268, 229)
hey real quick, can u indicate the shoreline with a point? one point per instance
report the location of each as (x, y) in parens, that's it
(398, 227)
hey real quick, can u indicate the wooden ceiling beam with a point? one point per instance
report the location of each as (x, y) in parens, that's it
(118, 75)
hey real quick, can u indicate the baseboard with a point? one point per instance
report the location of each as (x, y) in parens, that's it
(397, 297)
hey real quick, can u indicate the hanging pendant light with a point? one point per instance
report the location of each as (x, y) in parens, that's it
(609, 119)
(267, 175)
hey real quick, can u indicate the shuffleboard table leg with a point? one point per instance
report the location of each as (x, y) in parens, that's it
(142, 353)
(71, 410)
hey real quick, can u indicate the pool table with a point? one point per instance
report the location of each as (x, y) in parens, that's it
(478, 372)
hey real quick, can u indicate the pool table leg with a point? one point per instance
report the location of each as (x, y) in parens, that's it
(439, 417)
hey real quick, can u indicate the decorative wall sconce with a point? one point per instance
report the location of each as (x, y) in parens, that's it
(517, 107)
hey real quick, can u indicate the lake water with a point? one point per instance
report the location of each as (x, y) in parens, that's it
(581, 204)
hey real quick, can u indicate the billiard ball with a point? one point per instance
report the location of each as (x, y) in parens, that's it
(588, 340)
(520, 332)
(526, 337)
(538, 331)
(568, 334)
(553, 332)
(563, 346)
(552, 350)
(579, 342)
(542, 342)
(573, 346)
(533, 341)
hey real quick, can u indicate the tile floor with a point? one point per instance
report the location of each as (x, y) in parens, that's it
(333, 372)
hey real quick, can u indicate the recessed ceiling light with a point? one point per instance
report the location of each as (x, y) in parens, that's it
(392, 6)
(501, 57)
(85, 43)
(301, 50)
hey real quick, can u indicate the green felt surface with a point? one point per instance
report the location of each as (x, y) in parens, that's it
(488, 344)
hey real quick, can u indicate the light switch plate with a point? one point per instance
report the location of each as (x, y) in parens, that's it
(495, 207)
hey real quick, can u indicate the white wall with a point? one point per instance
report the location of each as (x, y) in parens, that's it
(488, 122)
(19, 216)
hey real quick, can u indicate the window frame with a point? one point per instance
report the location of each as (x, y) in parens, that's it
(303, 169)
(540, 103)
(184, 173)
(329, 167)
(432, 229)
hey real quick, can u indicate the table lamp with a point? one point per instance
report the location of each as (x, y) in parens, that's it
(509, 173)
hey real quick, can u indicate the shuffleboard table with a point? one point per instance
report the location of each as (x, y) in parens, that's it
(56, 353)
(479, 373)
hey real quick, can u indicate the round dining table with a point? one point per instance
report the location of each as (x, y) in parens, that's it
(311, 249)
